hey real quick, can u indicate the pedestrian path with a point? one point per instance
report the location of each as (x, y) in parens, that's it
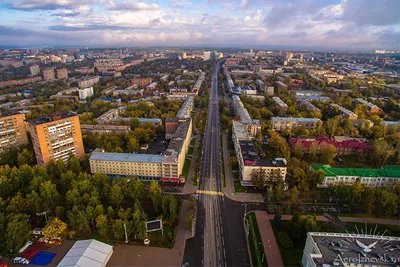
(271, 248)
(208, 192)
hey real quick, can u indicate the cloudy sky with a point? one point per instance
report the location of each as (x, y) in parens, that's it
(337, 24)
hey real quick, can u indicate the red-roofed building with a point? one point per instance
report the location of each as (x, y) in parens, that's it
(344, 145)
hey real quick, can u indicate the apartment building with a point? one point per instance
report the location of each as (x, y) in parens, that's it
(48, 75)
(152, 86)
(88, 81)
(344, 145)
(56, 137)
(141, 82)
(85, 93)
(371, 107)
(347, 114)
(35, 70)
(199, 82)
(105, 129)
(283, 107)
(289, 123)
(107, 64)
(250, 162)
(12, 130)
(384, 176)
(186, 109)
(167, 167)
(62, 73)
(140, 166)
(304, 104)
(253, 126)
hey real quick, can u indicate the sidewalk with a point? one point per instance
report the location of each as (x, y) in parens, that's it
(189, 187)
(182, 233)
(229, 191)
(271, 248)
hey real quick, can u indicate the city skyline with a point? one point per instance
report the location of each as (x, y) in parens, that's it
(343, 25)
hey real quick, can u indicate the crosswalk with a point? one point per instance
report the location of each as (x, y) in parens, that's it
(208, 192)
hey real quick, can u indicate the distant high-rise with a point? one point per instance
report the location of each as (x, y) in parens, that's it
(35, 70)
(62, 73)
(56, 137)
(48, 75)
(206, 55)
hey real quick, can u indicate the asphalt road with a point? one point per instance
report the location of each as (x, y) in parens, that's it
(220, 237)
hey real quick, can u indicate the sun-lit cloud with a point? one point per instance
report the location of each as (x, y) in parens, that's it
(339, 24)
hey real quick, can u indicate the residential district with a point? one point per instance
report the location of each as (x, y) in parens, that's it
(192, 157)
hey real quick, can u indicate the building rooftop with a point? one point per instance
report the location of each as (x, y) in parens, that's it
(127, 157)
(55, 117)
(308, 93)
(385, 171)
(184, 111)
(338, 143)
(313, 97)
(327, 247)
(287, 119)
(250, 157)
(280, 102)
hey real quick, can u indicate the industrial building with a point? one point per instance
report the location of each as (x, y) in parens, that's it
(56, 137)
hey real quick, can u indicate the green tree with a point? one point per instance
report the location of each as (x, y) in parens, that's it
(116, 195)
(328, 153)
(279, 145)
(294, 194)
(102, 226)
(26, 157)
(55, 228)
(155, 194)
(316, 178)
(17, 233)
(118, 228)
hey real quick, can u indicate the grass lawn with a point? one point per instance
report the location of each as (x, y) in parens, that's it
(186, 166)
(255, 242)
(190, 150)
(239, 188)
(391, 230)
(159, 240)
(292, 256)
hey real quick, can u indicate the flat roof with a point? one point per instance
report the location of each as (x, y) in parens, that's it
(55, 117)
(127, 157)
(385, 171)
(295, 119)
(328, 247)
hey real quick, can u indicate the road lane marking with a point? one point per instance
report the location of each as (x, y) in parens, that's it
(209, 192)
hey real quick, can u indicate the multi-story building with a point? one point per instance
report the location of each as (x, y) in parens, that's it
(347, 114)
(48, 75)
(12, 130)
(253, 126)
(85, 93)
(308, 106)
(141, 82)
(140, 166)
(249, 161)
(206, 55)
(171, 124)
(62, 73)
(86, 70)
(289, 123)
(155, 121)
(107, 64)
(56, 137)
(88, 81)
(199, 82)
(167, 167)
(371, 107)
(186, 109)
(283, 107)
(383, 176)
(344, 145)
(152, 86)
(35, 70)
(108, 116)
(105, 129)
(369, 248)
(318, 98)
